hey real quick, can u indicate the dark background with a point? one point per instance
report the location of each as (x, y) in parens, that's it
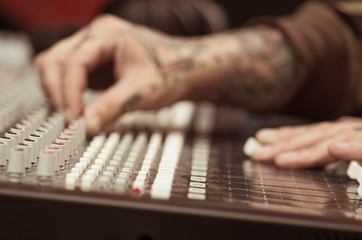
(48, 21)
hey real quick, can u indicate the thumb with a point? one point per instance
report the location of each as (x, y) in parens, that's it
(108, 106)
(102, 110)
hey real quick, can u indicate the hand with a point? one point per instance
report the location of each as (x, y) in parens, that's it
(151, 69)
(311, 145)
(144, 65)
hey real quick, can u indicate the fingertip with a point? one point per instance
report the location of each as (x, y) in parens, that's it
(339, 149)
(266, 135)
(74, 84)
(288, 160)
(264, 153)
(56, 101)
(56, 107)
(104, 109)
(93, 122)
(250, 146)
(71, 114)
(49, 80)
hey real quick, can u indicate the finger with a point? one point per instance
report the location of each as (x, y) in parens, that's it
(304, 138)
(130, 92)
(313, 156)
(94, 51)
(295, 142)
(50, 68)
(346, 150)
(101, 111)
(50, 79)
(270, 135)
(109, 105)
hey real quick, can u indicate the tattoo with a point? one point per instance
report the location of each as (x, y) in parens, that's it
(217, 59)
(153, 88)
(201, 65)
(262, 73)
(87, 37)
(159, 42)
(184, 64)
(131, 102)
(150, 50)
(259, 69)
(169, 71)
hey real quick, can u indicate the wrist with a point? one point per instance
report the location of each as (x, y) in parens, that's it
(253, 67)
(204, 66)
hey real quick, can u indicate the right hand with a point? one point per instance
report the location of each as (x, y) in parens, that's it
(146, 67)
(311, 145)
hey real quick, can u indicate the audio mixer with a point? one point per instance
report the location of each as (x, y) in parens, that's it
(176, 173)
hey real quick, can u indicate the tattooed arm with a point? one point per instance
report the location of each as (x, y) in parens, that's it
(253, 67)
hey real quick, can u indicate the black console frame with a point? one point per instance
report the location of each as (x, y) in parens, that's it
(48, 213)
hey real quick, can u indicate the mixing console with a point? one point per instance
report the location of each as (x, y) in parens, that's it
(178, 173)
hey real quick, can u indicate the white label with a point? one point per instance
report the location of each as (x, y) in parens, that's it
(199, 173)
(196, 196)
(198, 179)
(199, 163)
(197, 190)
(197, 184)
(199, 167)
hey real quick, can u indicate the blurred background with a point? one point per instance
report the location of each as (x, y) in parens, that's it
(47, 21)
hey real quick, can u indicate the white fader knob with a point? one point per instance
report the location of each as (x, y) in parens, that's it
(16, 167)
(58, 156)
(72, 142)
(47, 160)
(4, 153)
(181, 115)
(251, 145)
(162, 118)
(354, 170)
(62, 148)
(14, 136)
(8, 140)
(39, 141)
(66, 142)
(34, 145)
(29, 152)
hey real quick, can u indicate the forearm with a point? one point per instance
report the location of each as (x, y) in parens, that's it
(252, 67)
(256, 67)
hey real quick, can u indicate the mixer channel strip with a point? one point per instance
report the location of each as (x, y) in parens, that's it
(117, 162)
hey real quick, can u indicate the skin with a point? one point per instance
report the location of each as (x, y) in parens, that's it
(251, 67)
(140, 68)
(311, 145)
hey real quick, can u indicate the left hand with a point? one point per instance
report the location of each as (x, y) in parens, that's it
(311, 145)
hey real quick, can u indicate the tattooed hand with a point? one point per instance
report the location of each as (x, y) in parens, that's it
(311, 145)
(253, 67)
(141, 70)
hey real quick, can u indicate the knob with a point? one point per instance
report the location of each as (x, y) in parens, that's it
(46, 166)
